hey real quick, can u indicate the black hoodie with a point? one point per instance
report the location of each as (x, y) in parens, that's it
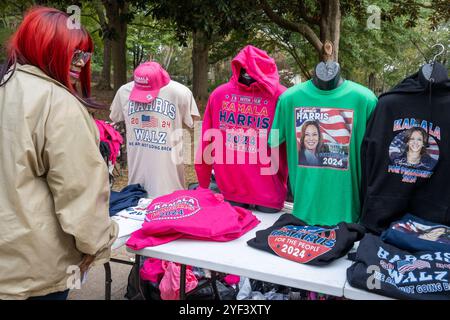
(405, 154)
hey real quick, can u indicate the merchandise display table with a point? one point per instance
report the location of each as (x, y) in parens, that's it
(236, 257)
(358, 294)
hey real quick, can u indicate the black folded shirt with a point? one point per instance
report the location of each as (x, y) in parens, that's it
(384, 269)
(291, 238)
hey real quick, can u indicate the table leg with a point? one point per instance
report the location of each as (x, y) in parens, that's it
(137, 261)
(121, 261)
(183, 282)
(214, 285)
(108, 281)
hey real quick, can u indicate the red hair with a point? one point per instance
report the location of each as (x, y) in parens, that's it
(44, 40)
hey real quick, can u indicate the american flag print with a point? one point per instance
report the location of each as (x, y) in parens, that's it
(335, 134)
(404, 266)
(149, 121)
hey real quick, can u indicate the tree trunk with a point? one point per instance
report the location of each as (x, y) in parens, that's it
(168, 57)
(105, 80)
(330, 25)
(106, 70)
(138, 52)
(115, 11)
(372, 81)
(200, 67)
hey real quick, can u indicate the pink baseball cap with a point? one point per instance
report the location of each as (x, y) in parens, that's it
(149, 78)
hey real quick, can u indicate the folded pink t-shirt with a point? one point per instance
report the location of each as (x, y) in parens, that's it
(194, 214)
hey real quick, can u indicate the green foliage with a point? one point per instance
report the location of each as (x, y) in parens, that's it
(438, 11)
(149, 38)
(4, 35)
(156, 29)
(406, 27)
(214, 17)
(94, 30)
(391, 53)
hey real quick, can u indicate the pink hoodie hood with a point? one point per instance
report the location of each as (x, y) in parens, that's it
(239, 112)
(259, 66)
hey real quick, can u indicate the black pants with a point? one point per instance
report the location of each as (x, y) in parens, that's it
(53, 296)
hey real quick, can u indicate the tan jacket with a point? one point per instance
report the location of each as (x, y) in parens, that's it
(54, 189)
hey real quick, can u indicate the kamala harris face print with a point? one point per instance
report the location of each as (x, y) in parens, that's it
(414, 151)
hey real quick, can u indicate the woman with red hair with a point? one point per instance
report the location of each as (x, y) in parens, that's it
(54, 192)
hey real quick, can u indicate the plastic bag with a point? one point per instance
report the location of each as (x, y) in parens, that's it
(225, 292)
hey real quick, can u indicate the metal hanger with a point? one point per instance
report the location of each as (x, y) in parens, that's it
(428, 70)
(440, 53)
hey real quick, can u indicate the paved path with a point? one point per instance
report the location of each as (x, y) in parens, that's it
(94, 288)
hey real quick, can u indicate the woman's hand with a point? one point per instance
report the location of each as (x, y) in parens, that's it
(85, 263)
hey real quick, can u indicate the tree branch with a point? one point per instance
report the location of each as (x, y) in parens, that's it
(142, 25)
(425, 5)
(304, 14)
(97, 30)
(418, 49)
(291, 49)
(303, 68)
(100, 13)
(92, 17)
(154, 27)
(301, 28)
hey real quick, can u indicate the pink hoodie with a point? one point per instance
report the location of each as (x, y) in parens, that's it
(193, 214)
(243, 113)
(111, 136)
(170, 283)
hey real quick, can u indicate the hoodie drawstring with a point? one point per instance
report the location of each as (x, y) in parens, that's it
(430, 105)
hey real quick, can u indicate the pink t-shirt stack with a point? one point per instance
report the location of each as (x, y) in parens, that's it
(193, 214)
(237, 150)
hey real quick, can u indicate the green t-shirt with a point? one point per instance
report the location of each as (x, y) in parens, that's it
(323, 131)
